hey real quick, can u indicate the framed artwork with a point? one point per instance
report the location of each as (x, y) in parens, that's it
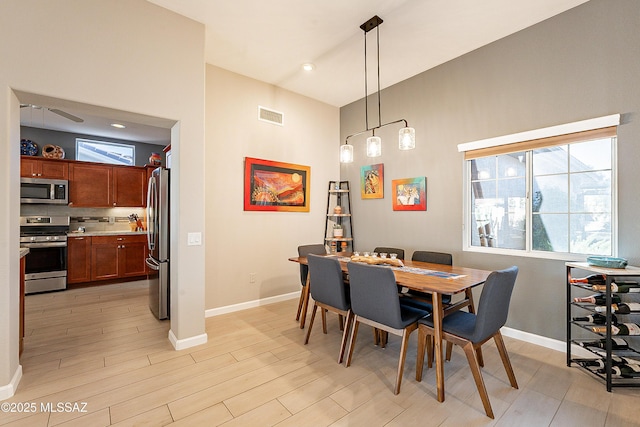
(275, 186)
(372, 181)
(409, 194)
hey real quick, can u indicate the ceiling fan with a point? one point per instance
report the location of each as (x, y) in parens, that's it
(55, 111)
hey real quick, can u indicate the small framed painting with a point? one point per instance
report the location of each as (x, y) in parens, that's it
(409, 194)
(275, 186)
(372, 181)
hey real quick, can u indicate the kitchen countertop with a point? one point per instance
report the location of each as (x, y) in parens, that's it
(23, 252)
(104, 233)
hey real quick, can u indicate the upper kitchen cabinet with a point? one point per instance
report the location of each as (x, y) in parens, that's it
(31, 167)
(129, 186)
(98, 186)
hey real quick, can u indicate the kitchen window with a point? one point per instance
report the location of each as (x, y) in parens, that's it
(545, 197)
(105, 152)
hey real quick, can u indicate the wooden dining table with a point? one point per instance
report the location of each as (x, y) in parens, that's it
(436, 279)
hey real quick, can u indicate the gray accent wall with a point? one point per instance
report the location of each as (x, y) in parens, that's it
(581, 64)
(67, 141)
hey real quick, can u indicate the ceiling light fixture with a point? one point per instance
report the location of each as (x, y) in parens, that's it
(308, 66)
(118, 125)
(406, 136)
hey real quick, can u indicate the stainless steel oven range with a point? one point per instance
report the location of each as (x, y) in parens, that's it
(46, 262)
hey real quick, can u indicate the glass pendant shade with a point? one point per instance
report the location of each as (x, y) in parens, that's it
(346, 153)
(407, 139)
(374, 146)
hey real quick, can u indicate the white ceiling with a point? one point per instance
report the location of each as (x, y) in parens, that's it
(269, 41)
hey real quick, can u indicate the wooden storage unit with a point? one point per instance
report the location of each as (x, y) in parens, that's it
(118, 256)
(78, 259)
(607, 354)
(338, 214)
(31, 167)
(97, 185)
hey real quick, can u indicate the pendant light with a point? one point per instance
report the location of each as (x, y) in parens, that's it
(406, 135)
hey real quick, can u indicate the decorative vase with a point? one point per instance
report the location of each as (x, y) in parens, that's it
(155, 159)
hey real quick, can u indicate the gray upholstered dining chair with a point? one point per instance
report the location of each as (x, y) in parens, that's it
(398, 251)
(375, 302)
(304, 250)
(434, 258)
(330, 293)
(470, 331)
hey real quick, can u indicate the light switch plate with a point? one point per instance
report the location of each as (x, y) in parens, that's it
(194, 239)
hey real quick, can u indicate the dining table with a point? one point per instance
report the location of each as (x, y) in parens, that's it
(435, 279)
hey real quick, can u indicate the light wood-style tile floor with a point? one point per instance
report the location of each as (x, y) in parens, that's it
(102, 347)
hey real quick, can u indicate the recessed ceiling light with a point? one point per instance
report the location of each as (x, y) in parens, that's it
(308, 67)
(118, 125)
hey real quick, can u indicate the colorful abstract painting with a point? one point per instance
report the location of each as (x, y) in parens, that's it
(372, 181)
(410, 194)
(275, 186)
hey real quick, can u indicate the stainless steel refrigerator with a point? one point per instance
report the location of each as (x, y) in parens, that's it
(158, 242)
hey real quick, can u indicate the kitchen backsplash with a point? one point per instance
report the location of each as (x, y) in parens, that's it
(92, 219)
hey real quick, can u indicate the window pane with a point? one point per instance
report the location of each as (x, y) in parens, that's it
(591, 234)
(483, 168)
(105, 152)
(591, 192)
(550, 160)
(499, 206)
(591, 155)
(550, 194)
(550, 232)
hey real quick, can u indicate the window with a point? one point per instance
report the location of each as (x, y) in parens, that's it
(105, 152)
(543, 197)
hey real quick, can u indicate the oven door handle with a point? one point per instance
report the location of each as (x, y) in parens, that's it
(44, 245)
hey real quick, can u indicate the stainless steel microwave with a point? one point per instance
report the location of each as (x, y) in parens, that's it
(44, 191)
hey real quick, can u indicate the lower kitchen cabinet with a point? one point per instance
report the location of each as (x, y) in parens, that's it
(106, 257)
(78, 259)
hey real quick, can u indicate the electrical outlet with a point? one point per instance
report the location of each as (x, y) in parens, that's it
(252, 277)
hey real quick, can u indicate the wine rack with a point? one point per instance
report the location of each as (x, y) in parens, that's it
(608, 355)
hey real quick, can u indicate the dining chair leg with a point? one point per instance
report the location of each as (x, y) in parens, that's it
(502, 349)
(472, 358)
(480, 358)
(449, 351)
(403, 356)
(422, 343)
(313, 316)
(300, 302)
(305, 304)
(324, 320)
(341, 321)
(352, 340)
(345, 333)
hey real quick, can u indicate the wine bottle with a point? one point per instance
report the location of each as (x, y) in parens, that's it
(600, 363)
(594, 279)
(624, 371)
(616, 344)
(619, 329)
(598, 299)
(619, 287)
(621, 308)
(596, 319)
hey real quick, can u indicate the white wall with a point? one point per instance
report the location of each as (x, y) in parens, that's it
(122, 54)
(239, 242)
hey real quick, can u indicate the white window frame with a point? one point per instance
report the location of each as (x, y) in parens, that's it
(585, 125)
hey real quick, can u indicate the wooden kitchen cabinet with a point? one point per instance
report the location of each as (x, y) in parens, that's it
(90, 185)
(129, 186)
(78, 259)
(43, 168)
(97, 185)
(118, 256)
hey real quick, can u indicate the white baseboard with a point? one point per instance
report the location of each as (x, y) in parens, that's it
(549, 343)
(7, 391)
(250, 304)
(187, 342)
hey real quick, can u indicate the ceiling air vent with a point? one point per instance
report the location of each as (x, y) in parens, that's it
(271, 116)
